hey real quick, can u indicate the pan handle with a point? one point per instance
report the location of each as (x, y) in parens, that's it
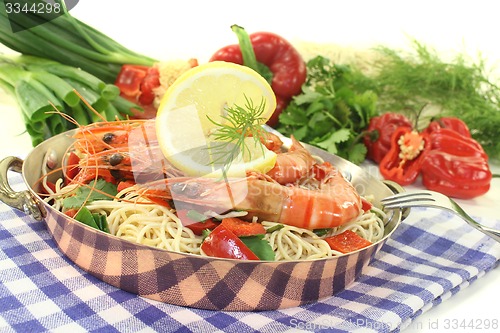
(23, 200)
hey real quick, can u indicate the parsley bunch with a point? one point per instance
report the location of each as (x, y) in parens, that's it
(332, 111)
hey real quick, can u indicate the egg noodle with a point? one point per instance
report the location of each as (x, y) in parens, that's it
(136, 219)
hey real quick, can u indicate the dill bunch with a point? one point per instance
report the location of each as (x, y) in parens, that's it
(239, 122)
(422, 85)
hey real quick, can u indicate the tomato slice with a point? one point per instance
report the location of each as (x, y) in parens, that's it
(223, 243)
(347, 241)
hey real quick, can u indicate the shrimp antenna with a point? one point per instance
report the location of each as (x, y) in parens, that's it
(90, 106)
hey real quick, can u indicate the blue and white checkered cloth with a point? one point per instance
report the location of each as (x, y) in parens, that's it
(432, 256)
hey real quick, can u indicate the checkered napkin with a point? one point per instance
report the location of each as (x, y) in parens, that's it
(432, 256)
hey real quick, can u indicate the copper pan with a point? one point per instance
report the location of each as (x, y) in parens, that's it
(192, 280)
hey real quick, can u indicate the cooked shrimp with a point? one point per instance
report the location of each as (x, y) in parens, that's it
(272, 142)
(107, 135)
(328, 203)
(292, 165)
(297, 191)
(121, 150)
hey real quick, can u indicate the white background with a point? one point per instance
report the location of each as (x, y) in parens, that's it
(193, 28)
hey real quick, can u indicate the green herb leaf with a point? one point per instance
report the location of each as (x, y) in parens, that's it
(196, 216)
(322, 232)
(241, 122)
(357, 153)
(335, 106)
(275, 228)
(85, 216)
(330, 143)
(258, 245)
(308, 96)
(94, 220)
(205, 233)
(98, 190)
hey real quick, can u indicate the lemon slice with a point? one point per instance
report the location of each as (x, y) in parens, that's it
(216, 157)
(202, 94)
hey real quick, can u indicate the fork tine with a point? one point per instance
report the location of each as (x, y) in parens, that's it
(436, 200)
(404, 200)
(407, 196)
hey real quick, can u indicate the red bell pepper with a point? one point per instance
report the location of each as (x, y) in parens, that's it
(89, 174)
(223, 243)
(129, 79)
(403, 161)
(378, 135)
(347, 241)
(274, 58)
(452, 123)
(124, 184)
(243, 228)
(456, 176)
(452, 142)
(137, 84)
(71, 169)
(71, 212)
(196, 226)
(366, 205)
(456, 164)
(450, 160)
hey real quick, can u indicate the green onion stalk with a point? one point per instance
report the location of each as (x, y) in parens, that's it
(44, 89)
(65, 66)
(67, 40)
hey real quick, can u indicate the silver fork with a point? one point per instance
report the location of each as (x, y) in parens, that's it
(433, 199)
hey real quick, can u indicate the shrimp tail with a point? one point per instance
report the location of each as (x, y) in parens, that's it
(293, 165)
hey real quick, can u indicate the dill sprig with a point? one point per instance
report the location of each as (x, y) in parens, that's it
(239, 122)
(423, 80)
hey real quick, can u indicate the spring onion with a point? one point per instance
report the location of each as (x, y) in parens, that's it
(67, 40)
(42, 87)
(65, 66)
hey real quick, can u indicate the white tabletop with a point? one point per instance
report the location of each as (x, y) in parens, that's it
(184, 29)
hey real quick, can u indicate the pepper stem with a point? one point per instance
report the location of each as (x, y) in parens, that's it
(248, 53)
